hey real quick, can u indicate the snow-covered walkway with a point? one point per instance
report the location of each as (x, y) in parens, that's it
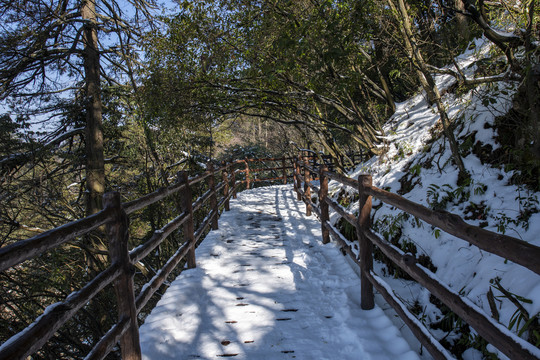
(266, 288)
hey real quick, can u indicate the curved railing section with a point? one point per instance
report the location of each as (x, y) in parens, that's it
(115, 218)
(516, 250)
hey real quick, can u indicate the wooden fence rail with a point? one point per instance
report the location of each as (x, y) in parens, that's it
(276, 169)
(303, 170)
(510, 248)
(121, 270)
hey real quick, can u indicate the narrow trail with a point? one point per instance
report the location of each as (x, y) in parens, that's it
(267, 288)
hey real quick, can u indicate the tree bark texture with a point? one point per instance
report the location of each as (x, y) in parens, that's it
(426, 79)
(95, 164)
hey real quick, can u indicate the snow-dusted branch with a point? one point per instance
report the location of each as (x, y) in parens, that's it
(507, 75)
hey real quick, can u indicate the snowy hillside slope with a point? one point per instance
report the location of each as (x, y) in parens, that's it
(418, 165)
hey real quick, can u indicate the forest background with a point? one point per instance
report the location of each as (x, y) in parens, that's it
(129, 95)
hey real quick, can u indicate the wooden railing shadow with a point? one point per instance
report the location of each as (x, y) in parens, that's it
(510, 248)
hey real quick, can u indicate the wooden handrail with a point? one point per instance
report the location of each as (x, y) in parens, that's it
(270, 169)
(20, 251)
(114, 216)
(34, 336)
(505, 246)
(267, 179)
(418, 329)
(513, 249)
(141, 251)
(264, 159)
(155, 283)
(350, 218)
(151, 198)
(225, 181)
(516, 250)
(513, 346)
(343, 180)
(313, 187)
(202, 199)
(189, 229)
(307, 189)
(251, 173)
(105, 345)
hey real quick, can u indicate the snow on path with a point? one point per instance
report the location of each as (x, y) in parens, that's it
(266, 288)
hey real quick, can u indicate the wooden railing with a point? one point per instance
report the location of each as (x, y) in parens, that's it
(510, 248)
(115, 217)
(268, 170)
(306, 169)
(265, 170)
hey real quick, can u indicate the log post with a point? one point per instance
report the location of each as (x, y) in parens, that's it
(213, 195)
(366, 247)
(297, 182)
(294, 172)
(323, 194)
(225, 179)
(187, 207)
(118, 234)
(307, 189)
(234, 183)
(247, 175)
(284, 170)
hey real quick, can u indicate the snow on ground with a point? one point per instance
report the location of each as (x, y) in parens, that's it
(267, 288)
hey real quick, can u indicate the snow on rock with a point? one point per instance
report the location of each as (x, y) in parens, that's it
(267, 288)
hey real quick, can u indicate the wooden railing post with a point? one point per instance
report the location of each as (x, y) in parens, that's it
(307, 189)
(294, 173)
(297, 181)
(225, 179)
(284, 170)
(323, 194)
(118, 233)
(234, 183)
(247, 175)
(366, 247)
(187, 207)
(213, 195)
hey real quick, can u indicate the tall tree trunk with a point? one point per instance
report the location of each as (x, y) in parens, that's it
(532, 83)
(95, 164)
(462, 20)
(387, 92)
(426, 80)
